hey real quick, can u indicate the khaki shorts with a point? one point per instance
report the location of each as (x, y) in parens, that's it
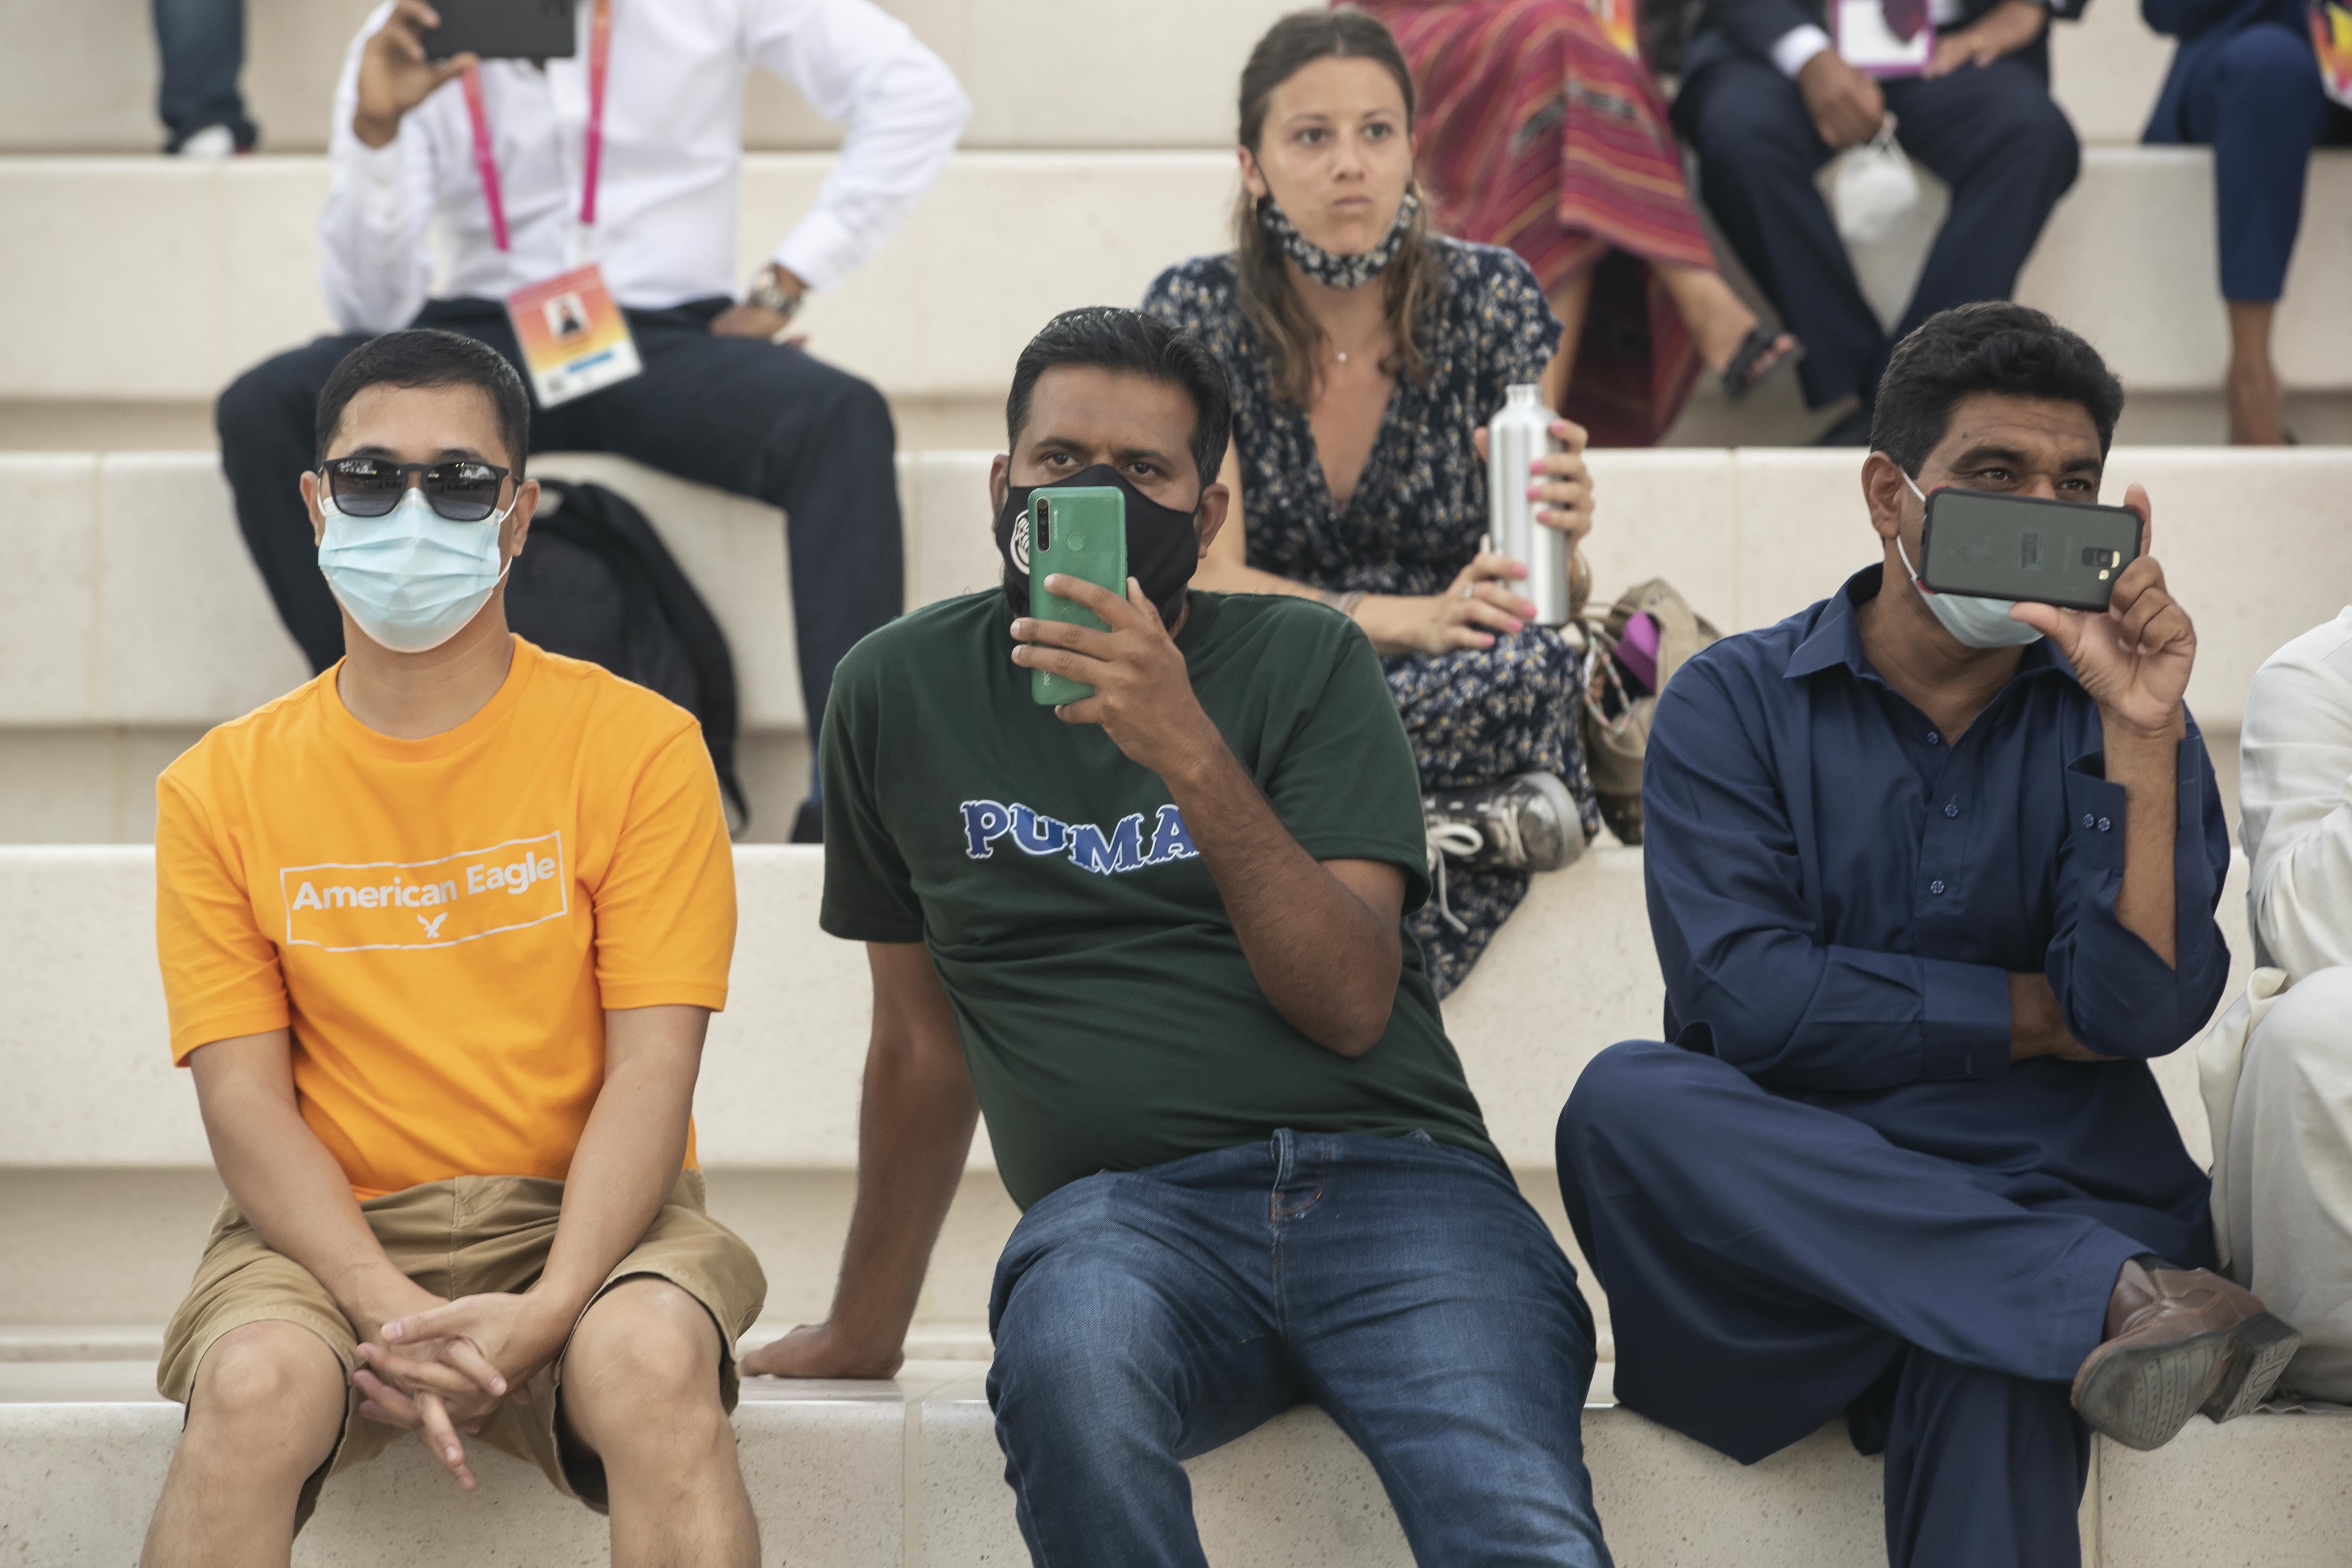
(462, 1238)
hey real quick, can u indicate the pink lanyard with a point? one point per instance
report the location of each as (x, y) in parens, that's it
(486, 162)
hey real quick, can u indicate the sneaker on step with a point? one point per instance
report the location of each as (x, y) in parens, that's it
(1529, 823)
(2180, 1342)
(211, 141)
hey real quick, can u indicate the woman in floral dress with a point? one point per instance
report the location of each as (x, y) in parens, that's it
(1365, 352)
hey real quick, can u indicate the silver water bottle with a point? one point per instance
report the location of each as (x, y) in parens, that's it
(1519, 434)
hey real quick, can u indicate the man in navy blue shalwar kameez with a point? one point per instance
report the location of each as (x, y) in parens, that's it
(1929, 889)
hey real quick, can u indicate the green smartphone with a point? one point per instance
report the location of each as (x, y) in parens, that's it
(2023, 547)
(1079, 532)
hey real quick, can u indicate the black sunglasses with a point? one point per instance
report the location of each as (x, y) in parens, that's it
(461, 490)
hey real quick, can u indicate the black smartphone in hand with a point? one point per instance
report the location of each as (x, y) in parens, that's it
(503, 30)
(1997, 546)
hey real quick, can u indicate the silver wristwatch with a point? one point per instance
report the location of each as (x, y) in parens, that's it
(768, 296)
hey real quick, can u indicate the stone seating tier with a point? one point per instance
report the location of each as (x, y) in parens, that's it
(245, 279)
(905, 1473)
(107, 1186)
(1153, 75)
(132, 602)
(2129, 261)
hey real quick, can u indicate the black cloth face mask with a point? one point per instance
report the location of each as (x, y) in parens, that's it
(1164, 547)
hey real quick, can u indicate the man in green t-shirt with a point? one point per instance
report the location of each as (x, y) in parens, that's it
(1155, 936)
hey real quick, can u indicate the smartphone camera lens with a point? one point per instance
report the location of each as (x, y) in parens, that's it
(1045, 529)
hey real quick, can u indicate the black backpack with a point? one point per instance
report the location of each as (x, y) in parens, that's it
(595, 582)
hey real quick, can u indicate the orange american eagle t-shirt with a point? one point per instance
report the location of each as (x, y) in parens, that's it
(442, 922)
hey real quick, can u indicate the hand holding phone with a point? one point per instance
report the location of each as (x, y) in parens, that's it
(397, 71)
(503, 30)
(1142, 686)
(1076, 530)
(2134, 656)
(1990, 545)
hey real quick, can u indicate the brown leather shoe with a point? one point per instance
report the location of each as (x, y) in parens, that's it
(2180, 1341)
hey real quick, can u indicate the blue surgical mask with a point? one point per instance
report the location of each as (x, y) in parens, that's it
(1976, 622)
(410, 578)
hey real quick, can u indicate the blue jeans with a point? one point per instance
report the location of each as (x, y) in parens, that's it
(203, 45)
(1145, 1316)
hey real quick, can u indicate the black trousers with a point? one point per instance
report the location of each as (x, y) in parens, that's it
(1990, 133)
(744, 416)
(201, 43)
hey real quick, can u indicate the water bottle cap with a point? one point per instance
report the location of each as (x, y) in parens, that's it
(1522, 395)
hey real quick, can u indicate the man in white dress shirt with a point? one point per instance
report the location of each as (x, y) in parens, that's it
(2283, 1113)
(719, 399)
(1767, 99)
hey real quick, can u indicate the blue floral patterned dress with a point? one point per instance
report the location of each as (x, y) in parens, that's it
(1411, 525)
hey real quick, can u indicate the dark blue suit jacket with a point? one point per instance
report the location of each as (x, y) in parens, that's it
(1753, 26)
(2203, 26)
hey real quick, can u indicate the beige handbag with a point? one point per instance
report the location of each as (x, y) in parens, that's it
(1616, 721)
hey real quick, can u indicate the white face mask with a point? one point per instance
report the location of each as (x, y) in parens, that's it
(410, 578)
(1977, 622)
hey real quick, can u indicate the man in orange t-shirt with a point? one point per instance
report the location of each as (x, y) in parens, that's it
(441, 932)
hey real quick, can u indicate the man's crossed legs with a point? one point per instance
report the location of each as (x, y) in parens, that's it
(1771, 1263)
(632, 1419)
(1142, 1318)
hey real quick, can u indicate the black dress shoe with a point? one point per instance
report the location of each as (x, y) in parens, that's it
(2180, 1341)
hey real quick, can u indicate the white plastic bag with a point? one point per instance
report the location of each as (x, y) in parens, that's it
(1872, 187)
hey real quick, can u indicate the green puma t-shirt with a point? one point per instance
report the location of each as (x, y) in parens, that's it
(1107, 1012)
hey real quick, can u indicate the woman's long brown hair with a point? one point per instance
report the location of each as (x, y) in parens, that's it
(1294, 343)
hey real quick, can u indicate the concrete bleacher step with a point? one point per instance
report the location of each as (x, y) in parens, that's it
(907, 1473)
(243, 282)
(141, 1344)
(133, 603)
(105, 1198)
(1570, 973)
(83, 76)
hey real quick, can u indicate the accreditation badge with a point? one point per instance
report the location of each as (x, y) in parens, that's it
(574, 338)
(1869, 45)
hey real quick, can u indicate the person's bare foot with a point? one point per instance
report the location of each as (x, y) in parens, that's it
(2257, 405)
(1719, 322)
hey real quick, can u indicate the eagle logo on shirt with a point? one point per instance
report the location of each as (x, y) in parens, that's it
(1087, 846)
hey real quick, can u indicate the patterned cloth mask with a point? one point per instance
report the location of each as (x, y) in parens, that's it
(1329, 267)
